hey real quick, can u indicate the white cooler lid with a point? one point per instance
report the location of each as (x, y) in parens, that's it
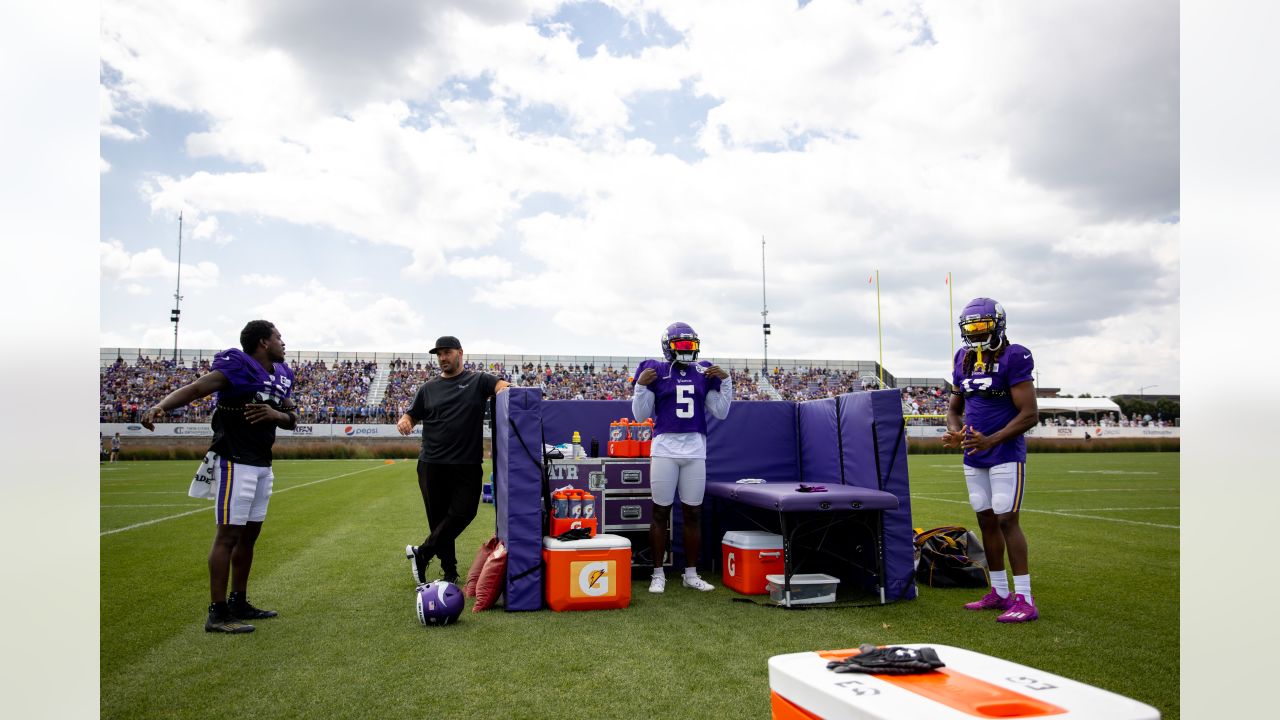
(803, 579)
(753, 540)
(603, 541)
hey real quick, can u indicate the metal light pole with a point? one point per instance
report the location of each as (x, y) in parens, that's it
(177, 296)
(764, 309)
(1142, 390)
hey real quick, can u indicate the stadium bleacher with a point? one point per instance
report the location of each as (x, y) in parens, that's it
(341, 387)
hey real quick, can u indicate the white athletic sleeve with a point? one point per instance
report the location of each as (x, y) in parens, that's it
(642, 402)
(718, 400)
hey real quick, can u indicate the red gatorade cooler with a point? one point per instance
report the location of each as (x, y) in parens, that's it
(593, 574)
(748, 556)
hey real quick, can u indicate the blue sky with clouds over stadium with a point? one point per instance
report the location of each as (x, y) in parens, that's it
(549, 177)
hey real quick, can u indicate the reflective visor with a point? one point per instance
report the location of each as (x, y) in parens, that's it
(978, 327)
(684, 345)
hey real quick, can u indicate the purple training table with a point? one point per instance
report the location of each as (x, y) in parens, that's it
(785, 497)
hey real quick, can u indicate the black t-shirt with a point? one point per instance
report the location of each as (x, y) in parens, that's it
(452, 414)
(238, 440)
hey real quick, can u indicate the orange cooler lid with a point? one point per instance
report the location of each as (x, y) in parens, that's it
(603, 541)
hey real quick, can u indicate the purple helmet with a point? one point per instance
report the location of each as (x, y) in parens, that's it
(439, 603)
(680, 343)
(982, 324)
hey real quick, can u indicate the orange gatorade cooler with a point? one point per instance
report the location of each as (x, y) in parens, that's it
(747, 557)
(592, 574)
(645, 437)
(972, 685)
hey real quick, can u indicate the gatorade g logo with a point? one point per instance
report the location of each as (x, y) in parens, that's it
(592, 579)
(733, 567)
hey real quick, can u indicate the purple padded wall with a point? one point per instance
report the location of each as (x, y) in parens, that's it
(590, 418)
(517, 480)
(820, 460)
(757, 439)
(875, 455)
(859, 459)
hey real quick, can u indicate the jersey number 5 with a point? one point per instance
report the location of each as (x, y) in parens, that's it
(684, 401)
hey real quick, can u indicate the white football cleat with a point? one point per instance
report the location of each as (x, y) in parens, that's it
(658, 584)
(697, 583)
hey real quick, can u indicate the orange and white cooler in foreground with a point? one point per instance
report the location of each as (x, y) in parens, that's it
(592, 574)
(972, 685)
(747, 556)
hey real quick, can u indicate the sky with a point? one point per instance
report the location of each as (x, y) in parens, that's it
(545, 177)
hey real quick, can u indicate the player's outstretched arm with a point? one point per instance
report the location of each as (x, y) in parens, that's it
(205, 385)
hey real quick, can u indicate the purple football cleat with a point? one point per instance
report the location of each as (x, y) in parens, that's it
(990, 601)
(1019, 611)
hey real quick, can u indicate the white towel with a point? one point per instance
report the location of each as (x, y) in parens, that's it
(202, 483)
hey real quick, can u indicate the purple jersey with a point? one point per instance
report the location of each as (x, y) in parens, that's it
(988, 406)
(680, 396)
(234, 437)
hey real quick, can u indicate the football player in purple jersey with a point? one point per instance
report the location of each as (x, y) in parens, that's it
(678, 392)
(993, 402)
(253, 384)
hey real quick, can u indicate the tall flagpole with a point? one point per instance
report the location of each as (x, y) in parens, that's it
(879, 333)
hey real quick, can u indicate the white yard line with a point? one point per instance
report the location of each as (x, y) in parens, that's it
(1117, 509)
(1077, 490)
(153, 505)
(210, 507)
(1114, 472)
(1051, 512)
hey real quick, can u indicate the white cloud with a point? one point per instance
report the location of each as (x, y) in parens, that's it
(262, 280)
(119, 264)
(319, 317)
(484, 267)
(1029, 148)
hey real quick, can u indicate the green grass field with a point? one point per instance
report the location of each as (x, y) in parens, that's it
(1103, 531)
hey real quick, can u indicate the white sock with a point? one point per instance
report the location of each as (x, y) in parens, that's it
(1022, 586)
(657, 572)
(691, 572)
(1000, 583)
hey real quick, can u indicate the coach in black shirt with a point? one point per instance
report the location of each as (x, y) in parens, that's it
(451, 410)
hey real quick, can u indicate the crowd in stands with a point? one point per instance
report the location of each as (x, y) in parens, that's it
(128, 389)
(402, 384)
(577, 382)
(931, 400)
(813, 383)
(323, 393)
(334, 394)
(339, 391)
(1106, 421)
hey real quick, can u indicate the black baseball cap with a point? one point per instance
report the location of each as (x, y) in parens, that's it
(446, 342)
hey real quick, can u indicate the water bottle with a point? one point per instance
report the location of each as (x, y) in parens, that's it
(575, 446)
(559, 504)
(644, 438)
